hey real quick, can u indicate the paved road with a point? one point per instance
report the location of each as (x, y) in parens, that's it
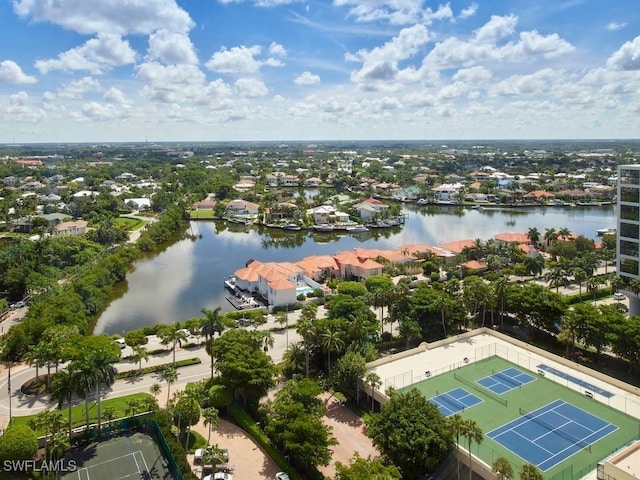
(26, 405)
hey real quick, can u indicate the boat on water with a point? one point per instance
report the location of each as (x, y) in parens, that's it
(291, 226)
(357, 229)
(230, 283)
(242, 302)
(324, 227)
(606, 231)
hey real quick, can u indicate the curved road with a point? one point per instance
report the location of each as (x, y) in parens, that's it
(26, 405)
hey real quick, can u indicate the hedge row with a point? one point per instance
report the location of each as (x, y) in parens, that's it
(158, 368)
(244, 421)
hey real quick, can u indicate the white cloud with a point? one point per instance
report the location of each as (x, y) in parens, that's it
(396, 12)
(627, 57)
(96, 56)
(119, 17)
(307, 78)
(236, 60)
(115, 95)
(10, 72)
(251, 88)
(381, 63)
(101, 112)
(264, 3)
(484, 46)
(19, 109)
(520, 85)
(180, 84)
(77, 88)
(613, 26)
(241, 60)
(277, 50)
(470, 11)
(172, 47)
(475, 75)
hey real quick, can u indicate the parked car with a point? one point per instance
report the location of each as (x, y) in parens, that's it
(619, 296)
(219, 476)
(121, 342)
(282, 476)
(19, 304)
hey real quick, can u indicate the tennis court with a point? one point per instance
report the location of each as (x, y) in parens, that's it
(551, 434)
(133, 457)
(507, 393)
(506, 380)
(454, 401)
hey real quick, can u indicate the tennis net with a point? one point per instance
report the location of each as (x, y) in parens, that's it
(556, 429)
(507, 379)
(488, 393)
(456, 403)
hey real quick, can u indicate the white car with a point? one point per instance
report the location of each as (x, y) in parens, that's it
(121, 342)
(282, 476)
(619, 296)
(219, 476)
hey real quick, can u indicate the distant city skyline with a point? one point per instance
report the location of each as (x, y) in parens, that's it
(288, 70)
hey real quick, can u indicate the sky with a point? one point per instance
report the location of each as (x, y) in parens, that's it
(107, 71)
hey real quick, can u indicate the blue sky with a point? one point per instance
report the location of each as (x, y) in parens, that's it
(227, 70)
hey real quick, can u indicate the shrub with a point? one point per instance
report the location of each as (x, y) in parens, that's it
(158, 368)
(19, 442)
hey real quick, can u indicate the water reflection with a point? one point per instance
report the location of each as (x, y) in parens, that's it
(188, 275)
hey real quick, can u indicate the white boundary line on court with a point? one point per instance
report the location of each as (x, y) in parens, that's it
(133, 454)
(146, 467)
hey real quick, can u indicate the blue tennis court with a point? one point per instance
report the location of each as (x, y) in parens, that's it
(551, 434)
(576, 380)
(454, 401)
(506, 380)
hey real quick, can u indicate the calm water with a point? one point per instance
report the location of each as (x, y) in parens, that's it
(188, 276)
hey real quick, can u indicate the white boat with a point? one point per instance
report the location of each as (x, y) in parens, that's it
(357, 229)
(606, 231)
(291, 226)
(324, 227)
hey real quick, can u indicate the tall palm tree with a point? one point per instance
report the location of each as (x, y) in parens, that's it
(59, 443)
(85, 381)
(50, 421)
(579, 276)
(307, 331)
(502, 468)
(211, 323)
(564, 233)
(373, 380)
(294, 358)
(500, 287)
(557, 277)
(533, 235)
(211, 419)
(208, 346)
(140, 353)
(530, 472)
(456, 424)
(550, 236)
(331, 341)
(63, 387)
(104, 374)
(169, 375)
(473, 433)
(443, 303)
(173, 335)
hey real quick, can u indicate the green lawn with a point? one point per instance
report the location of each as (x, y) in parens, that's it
(130, 224)
(78, 417)
(202, 214)
(491, 414)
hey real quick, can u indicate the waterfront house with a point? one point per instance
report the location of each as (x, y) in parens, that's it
(369, 208)
(327, 214)
(208, 203)
(241, 208)
(357, 267)
(313, 182)
(274, 281)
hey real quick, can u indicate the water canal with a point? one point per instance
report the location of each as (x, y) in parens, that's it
(188, 276)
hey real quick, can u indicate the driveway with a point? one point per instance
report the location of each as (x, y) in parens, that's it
(349, 430)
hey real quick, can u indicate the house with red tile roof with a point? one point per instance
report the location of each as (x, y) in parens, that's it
(242, 208)
(370, 207)
(458, 246)
(354, 266)
(472, 267)
(512, 237)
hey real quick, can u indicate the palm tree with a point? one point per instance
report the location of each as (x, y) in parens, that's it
(473, 433)
(294, 358)
(500, 287)
(50, 421)
(502, 468)
(533, 235)
(550, 236)
(59, 444)
(530, 472)
(211, 323)
(155, 389)
(140, 353)
(85, 381)
(564, 233)
(63, 387)
(443, 304)
(579, 276)
(373, 380)
(307, 331)
(211, 419)
(534, 264)
(456, 424)
(104, 374)
(169, 375)
(557, 277)
(331, 341)
(208, 346)
(174, 335)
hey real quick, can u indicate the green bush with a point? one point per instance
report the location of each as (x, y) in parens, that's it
(19, 442)
(158, 368)
(244, 421)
